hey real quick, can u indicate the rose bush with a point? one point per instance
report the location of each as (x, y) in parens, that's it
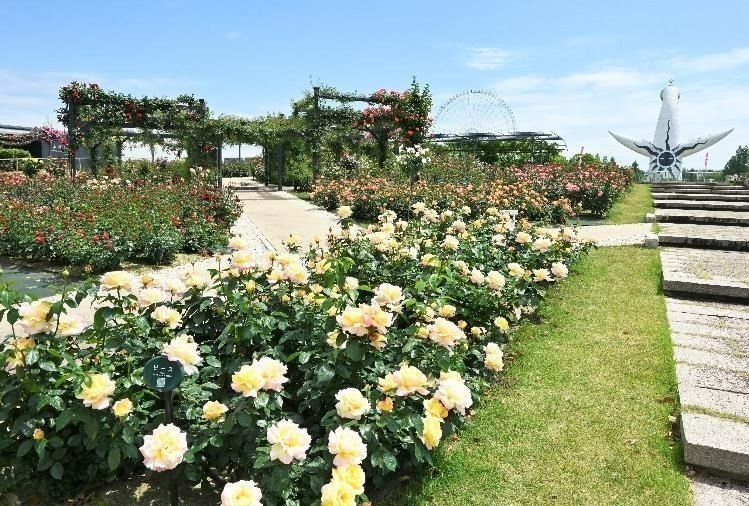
(547, 193)
(97, 223)
(310, 374)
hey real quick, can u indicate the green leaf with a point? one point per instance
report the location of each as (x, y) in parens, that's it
(382, 458)
(304, 357)
(261, 400)
(213, 361)
(31, 356)
(325, 373)
(128, 435)
(25, 447)
(354, 350)
(65, 417)
(40, 446)
(113, 459)
(56, 471)
(47, 366)
(91, 428)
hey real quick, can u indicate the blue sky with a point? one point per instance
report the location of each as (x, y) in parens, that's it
(578, 68)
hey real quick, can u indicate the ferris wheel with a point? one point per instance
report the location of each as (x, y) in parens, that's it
(472, 113)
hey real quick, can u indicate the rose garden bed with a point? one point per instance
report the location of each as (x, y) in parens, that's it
(96, 223)
(311, 377)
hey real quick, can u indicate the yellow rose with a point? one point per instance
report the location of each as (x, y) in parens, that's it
(122, 408)
(501, 323)
(33, 316)
(273, 372)
(388, 295)
(352, 321)
(288, 441)
(337, 493)
(38, 434)
(447, 311)
(454, 394)
(213, 410)
(118, 280)
(434, 407)
(248, 380)
(523, 237)
(344, 212)
(516, 270)
(351, 475)
(96, 391)
(408, 380)
(385, 405)
(445, 333)
(432, 432)
(540, 275)
(168, 316)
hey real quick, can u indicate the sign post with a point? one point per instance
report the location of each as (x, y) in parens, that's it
(165, 375)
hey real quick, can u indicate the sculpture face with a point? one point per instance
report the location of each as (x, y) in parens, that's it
(666, 159)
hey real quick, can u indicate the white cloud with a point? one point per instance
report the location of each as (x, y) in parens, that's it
(727, 60)
(489, 58)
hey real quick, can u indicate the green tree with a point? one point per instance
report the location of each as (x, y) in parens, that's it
(739, 162)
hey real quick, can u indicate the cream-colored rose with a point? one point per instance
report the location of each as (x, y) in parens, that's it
(351, 404)
(516, 270)
(96, 390)
(67, 325)
(174, 285)
(164, 448)
(542, 244)
(406, 381)
(33, 316)
(38, 434)
(243, 259)
(168, 316)
(477, 277)
(184, 350)
(430, 260)
(559, 270)
(241, 493)
(122, 408)
(540, 275)
(375, 317)
(297, 274)
(352, 321)
(273, 372)
(118, 280)
(451, 243)
(350, 283)
(288, 441)
(523, 238)
(385, 405)
(445, 333)
(197, 277)
(150, 296)
(454, 394)
(495, 280)
(248, 380)
(237, 243)
(447, 310)
(347, 446)
(344, 212)
(388, 295)
(213, 410)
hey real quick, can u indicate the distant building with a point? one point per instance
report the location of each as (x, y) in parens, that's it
(40, 148)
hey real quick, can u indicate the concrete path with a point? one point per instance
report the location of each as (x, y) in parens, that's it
(617, 235)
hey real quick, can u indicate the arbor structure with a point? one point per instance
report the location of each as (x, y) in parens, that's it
(94, 116)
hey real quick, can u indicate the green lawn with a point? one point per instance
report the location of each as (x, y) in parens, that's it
(583, 416)
(632, 207)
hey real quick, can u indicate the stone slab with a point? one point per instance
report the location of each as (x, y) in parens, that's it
(725, 197)
(709, 205)
(726, 345)
(701, 216)
(706, 273)
(720, 401)
(714, 191)
(710, 490)
(695, 375)
(707, 308)
(725, 237)
(716, 444)
(710, 359)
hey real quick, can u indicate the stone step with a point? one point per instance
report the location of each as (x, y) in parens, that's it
(711, 350)
(700, 216)
(724, 186)
(724, 237)
(712, 205)
(700, 191)
(706, 274)
(723, 197)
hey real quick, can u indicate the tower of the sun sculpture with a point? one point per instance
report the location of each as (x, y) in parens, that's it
(666, 151)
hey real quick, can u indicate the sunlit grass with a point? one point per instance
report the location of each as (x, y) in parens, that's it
(632, 207)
